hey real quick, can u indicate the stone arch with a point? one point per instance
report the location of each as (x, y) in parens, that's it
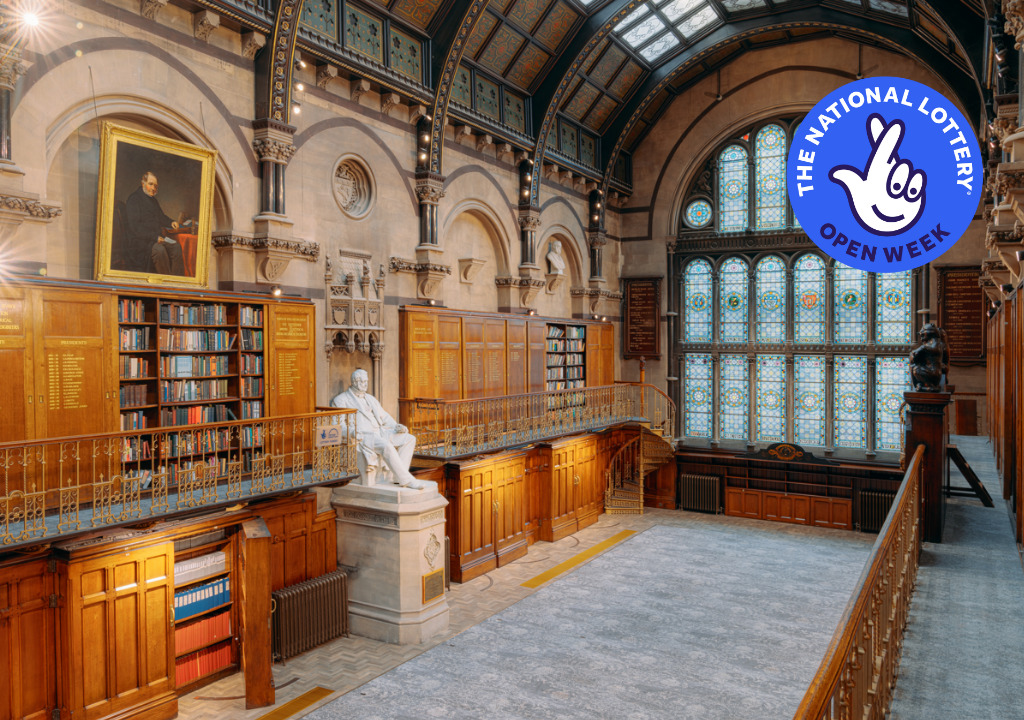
(496, 232)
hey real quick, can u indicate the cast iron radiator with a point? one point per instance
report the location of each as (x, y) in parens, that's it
(874, 508)
(700, 492)
(308, 614)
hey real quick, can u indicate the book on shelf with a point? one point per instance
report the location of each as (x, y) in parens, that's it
(132, 368)
(202, 632)
(131, 310)
(186, 571)
(201, 663)
(175, 340)
(133, 339)
(252, 364)
(182, 314)
(250, 316)
(201, 598)
(556, 331)
(134, 420)
(193, 414)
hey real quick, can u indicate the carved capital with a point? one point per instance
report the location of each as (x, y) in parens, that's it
(483, 142)
(150, 8)
(252, 42)
(10, 66)
(273, 255)
(203, 24)
(529, 221)
(429, 189)
(597, 238)
(1013, 10)
(28, 208)
(273, 150)
(554, 281)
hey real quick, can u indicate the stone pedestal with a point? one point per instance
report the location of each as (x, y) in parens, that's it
(393, 537)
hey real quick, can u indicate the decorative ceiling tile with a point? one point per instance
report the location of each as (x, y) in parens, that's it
(527, 66)
(600, 113)
(321, 16)
(406, 54)
(607, 65)
(418, 12)
(556, 25)
(594, 55)
(483, 28)
(644, 31)
(575, 83)
(588, 150)
(502, 48)
(627, 77)
(363, 33)
(526, 13)
(462, 87)
(486, 95)
(515, 111)
(567, 140)
(582, 101)
(502, 5)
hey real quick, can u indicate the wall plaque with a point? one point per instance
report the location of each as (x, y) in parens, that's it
(962, 312)
(433, 585)
(641, 326)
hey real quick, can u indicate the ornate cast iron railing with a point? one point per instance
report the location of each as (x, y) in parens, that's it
(60, 486)
(858, 674)
(452, 428)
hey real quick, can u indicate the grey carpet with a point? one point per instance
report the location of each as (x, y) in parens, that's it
(963, 655)
(710, 618)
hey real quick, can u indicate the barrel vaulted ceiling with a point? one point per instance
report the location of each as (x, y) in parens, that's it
(584, 81)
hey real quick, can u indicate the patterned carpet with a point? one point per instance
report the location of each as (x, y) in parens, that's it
(707, 618)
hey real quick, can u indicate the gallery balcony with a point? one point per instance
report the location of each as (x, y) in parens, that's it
(54, 488)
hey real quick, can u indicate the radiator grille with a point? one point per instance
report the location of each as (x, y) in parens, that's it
(700, 492)
(309, 613)
(874, 508)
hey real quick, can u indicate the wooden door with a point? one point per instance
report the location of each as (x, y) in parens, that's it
(290, 359)
(119, 633)
(510, 530)
(474, 517)
(534, 483)
(593, 355)
(289, 525)
(17, 391)
(537, 351)
(28, 652)
(607, 355)
(560, 509)
(589, 493)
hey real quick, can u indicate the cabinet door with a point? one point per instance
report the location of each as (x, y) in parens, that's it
(121, 653)
(607, 355)
(289, 526)
(561, 507)
(17, 391)
(476, 553)
(289, 363)
(28, 682)
(510, 531)
(588, 483)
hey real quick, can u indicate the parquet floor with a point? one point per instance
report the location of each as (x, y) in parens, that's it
(346, 663)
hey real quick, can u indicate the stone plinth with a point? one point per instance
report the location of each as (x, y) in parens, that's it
(393, 537)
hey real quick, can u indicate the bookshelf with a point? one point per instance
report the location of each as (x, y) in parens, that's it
(565, 356)
(205, 646)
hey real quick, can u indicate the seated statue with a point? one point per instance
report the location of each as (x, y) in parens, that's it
(385, 446)
(929, 361)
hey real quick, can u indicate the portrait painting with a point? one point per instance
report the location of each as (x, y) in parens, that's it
(155, 209)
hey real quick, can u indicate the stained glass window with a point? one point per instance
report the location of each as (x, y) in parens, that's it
(770, 172)
(698, 302)
(892, 308)
(849, 409)
(770, 407)
(698, 213)
(697, 386)
(734, 395)
(850, 303)
(732, 189)
(809, 400)
(892, 378)
(809, 300)
(732, 296)
(770, 295)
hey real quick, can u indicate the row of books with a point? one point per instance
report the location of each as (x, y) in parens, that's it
(252, 364)
(130, 310)
(565, 345)
(131, 368)
(133, 394)
(201, 633)
(133, 339)
(252, 387)
(565, 359)
(135, 420)
(195, 340)
(252, 435)
(201, 598)
(193, 414)
(189, 443)
(193, 314)
(184, 390)
(193, 365)
(215, 466)
(252, 316)
(252, 409)
(186, 571)
(251, 339)
(565, 384)
(565, 373)
(569, 331)
(133, 449)
(201, 663)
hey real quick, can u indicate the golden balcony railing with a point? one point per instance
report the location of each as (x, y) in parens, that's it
(452, 428)
(60, 486)
(857, 676)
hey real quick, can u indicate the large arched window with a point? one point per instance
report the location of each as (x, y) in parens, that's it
(796, 347)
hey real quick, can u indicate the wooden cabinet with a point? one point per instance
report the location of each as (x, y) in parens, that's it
(573, 497)
(566, 356)
(486, 518)
(303, 544)
(28, 651)
(791, 508)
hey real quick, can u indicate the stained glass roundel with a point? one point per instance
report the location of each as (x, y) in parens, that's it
(698, 213)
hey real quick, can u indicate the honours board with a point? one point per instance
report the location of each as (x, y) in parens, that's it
(641, 327)
(962, 312)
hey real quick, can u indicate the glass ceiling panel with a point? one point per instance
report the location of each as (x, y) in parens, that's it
(697, 22)
(740, 5)
(677, 8)
(632, 17)
(659, 47)
(887, 6)
(644, 31)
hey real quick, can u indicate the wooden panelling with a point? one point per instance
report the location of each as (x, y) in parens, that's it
(494, 358)
(537, 349)
(28, 652)
(660, 487)
(290, 362)
(607, 373)
(17, 391)
(572, 493)
(254, 612)
(743, 503)
(419, 334)
(799, 509)
(449, 352)
(302, 545)
(516, 357)
(473, 357)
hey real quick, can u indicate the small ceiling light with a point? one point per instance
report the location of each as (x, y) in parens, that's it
(526, 192)
(30, 19)
(431, 302)
(424, 138)
(428, 118)
(596, 218)
(423, 157)
(276, 291)
(597, 205)
(604, 318)
(531, 312)
(300, 87)
(529, 177)
(297, 108)
(529, 161)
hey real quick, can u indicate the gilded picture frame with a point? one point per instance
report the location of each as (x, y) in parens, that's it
(155, 209)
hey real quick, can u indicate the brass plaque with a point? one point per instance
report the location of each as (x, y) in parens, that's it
(433, 585)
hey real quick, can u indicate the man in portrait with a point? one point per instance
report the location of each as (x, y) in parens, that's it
(146, 247)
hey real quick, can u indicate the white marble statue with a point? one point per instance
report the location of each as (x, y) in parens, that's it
(385, 446)
(556, 262)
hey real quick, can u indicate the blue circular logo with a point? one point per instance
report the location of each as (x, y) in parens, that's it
(884, 174)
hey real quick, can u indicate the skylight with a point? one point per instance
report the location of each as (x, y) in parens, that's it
(654, 29)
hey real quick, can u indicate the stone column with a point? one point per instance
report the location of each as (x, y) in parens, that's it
(529, 222)
(926, 425)
(273, 146)
(597, 239)
(392, 538)
(429, 190)
(10, 69)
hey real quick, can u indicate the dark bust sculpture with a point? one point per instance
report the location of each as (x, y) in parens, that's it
(929, 361)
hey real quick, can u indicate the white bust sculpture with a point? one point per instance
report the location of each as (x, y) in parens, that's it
(385, 446)
(556, 263)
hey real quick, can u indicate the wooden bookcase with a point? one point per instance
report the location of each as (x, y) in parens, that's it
(566, 357)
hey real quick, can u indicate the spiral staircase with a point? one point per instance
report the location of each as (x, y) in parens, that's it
(627, 469)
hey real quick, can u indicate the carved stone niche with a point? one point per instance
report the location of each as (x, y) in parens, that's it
(355, 304)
